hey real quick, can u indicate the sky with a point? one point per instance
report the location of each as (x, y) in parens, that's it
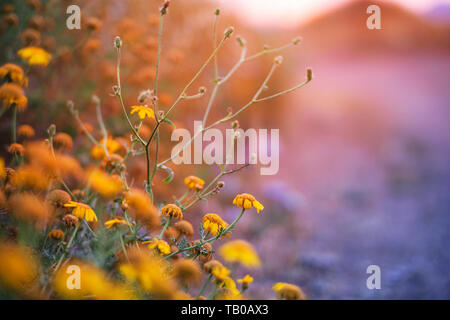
(289, 13)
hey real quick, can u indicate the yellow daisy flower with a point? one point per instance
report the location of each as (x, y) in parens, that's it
(115, 222)
(246, 201)
(14, 73)
(160, 246)
(240, 251)
(288, 291)
(143, 111)
(172, 210)
(35, 56)
(194, 183)
(82, 211)
(213, 223)
(245, 281)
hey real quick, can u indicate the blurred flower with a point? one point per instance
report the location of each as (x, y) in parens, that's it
(194, 183)
(288, 291)
(13, 73)
(94, 284)
(31, 37)
(160, 246)
(240, 251)
(63, 141)
(112, 146)
(58, 198)
(25, 131)
(29, 207)
(56, 234)
(106, 185)
(247, 201)
(143, 111)
(172, 210)
(11, 19)
(16, 149)
(30, 177)
(211, 265)
(187, 271)
(93, 24)
(82, 211)
(35, 56)
(116, 222)
(141, 207)
(150, 272)
(220, 273)
(245, 281)
(213, 223)
(19, 269)
(12, 94)
(184, 228)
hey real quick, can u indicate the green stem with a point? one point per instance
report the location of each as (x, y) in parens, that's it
(205, 285)
(69, 244)
(165, 227)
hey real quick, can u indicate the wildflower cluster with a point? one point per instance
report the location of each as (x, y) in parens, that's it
(61, 208)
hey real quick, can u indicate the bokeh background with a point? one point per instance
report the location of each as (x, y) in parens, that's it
(364, 171)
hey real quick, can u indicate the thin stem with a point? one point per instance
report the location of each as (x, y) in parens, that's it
(69, 244)
(123, 247)
(204, 285)
(119, 95)
(102, 126)
(259, 54)
(165, 227)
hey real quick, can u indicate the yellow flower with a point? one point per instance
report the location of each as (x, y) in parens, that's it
(115, 222)
(213, 223)
(288, 291)
(143, 111)
(82, 211)
(19, 269)
(160, 246)
(14, 73)
(150, 272)
(35, 56)
(98, 151)
(194, 183)
(240, 251)
(221, 273)
(247, 201)
(106, 185)
(172, 210)
(245, 281)
(12, 94)
(94, 283)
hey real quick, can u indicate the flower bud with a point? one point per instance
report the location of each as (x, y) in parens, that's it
(221, 184)
(278, 60)
(228, 32)
(165, 6)
(296, 41)
(235, 124)
(309, 74)
(117, 42)
(217, 12)
(201, 90)
(241, 41)
(51, 130)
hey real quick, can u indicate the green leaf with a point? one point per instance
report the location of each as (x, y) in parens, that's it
(170, 122)
(170, 172)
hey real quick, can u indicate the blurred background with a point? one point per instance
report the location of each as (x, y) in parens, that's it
(364, 171)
